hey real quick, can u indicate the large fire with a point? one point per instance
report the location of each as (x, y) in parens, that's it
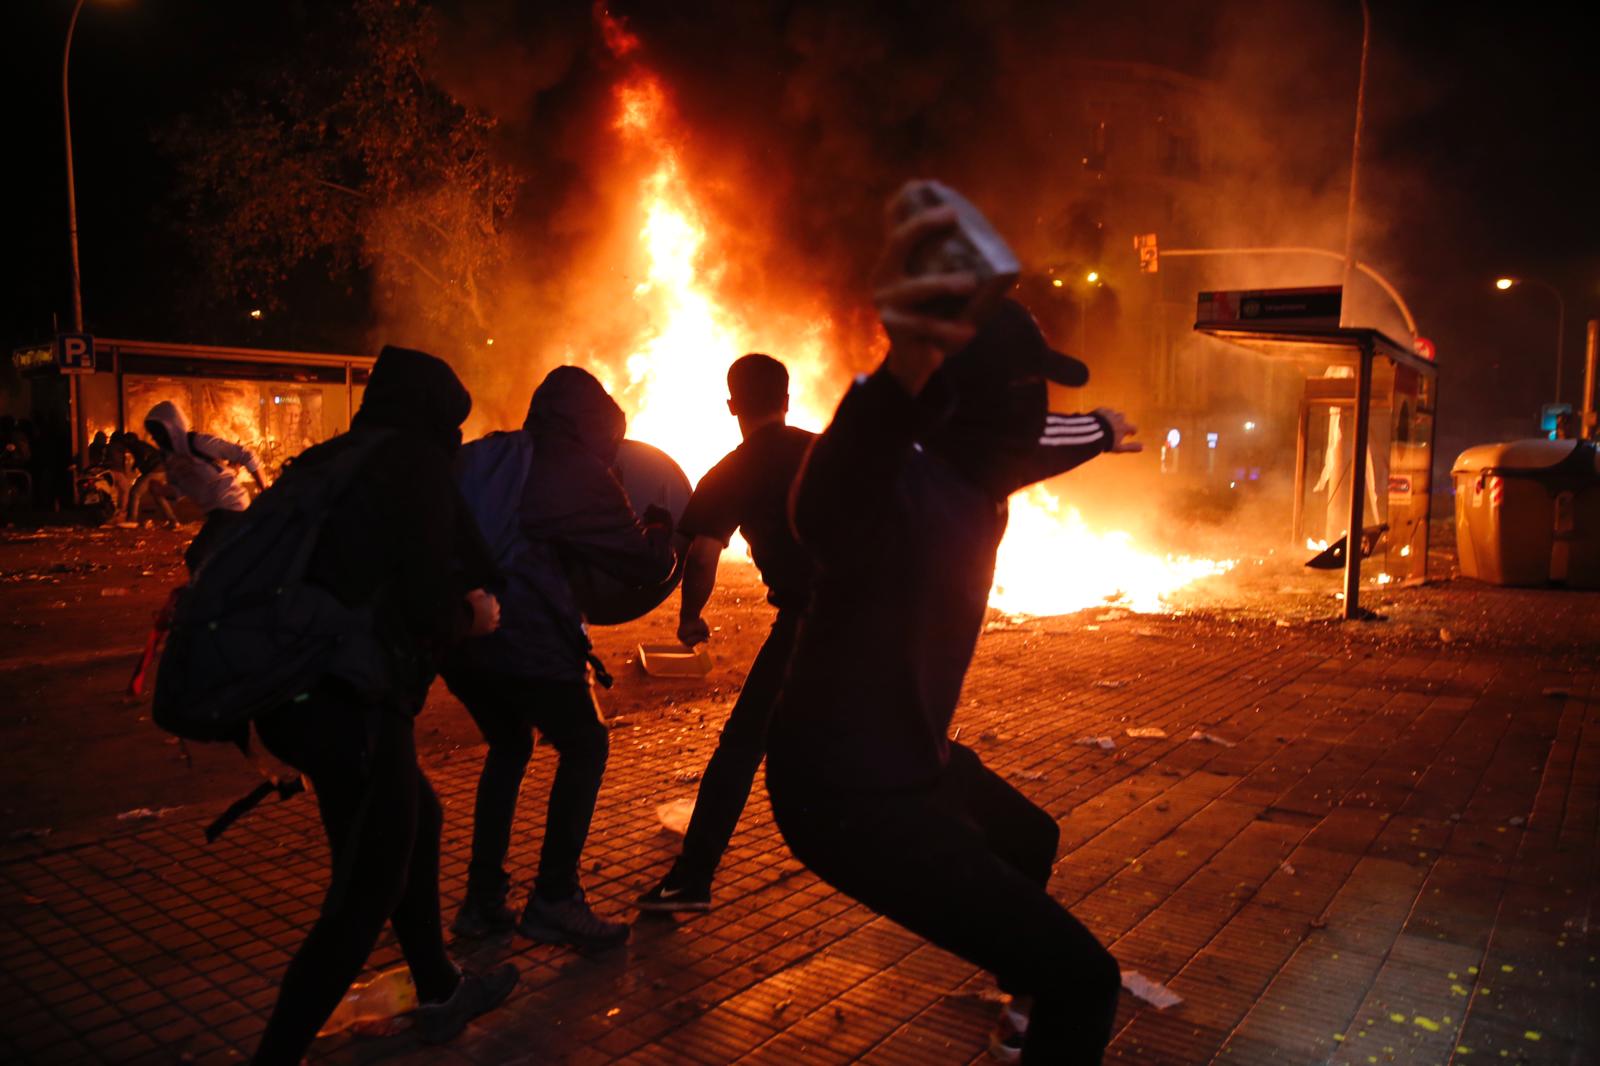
(1051, 561)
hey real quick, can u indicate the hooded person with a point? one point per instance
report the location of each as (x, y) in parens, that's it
(902, 502)
(570, 513)
(400, 540)
(204, 469)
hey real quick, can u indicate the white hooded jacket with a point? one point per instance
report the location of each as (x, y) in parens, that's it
(203, 467)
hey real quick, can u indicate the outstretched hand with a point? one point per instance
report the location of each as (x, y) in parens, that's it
(692, 631)
(918, 340)
(1121, 430)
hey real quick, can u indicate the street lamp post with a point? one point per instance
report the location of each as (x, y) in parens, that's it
(72, 190)
(74, 401)
(1355, 160)
(1504, 284)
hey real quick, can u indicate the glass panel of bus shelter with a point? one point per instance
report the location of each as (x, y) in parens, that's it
(1404, 550)
(276, 420)
(1330, 448)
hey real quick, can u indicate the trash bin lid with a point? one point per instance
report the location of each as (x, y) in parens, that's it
(651, 477)
(1538, 453)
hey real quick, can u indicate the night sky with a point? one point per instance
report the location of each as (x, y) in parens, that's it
(1480, 124)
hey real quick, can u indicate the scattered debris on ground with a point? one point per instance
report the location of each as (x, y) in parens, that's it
(674, 815)
(1154, 993)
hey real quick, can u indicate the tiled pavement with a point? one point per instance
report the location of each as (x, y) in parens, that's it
(1390, 860)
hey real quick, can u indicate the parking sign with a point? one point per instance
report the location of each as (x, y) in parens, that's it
(75, 353)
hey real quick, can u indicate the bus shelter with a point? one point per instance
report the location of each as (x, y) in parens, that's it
(1364, 451)
(277, 403)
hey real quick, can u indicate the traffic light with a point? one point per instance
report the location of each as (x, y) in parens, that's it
(1149, 257)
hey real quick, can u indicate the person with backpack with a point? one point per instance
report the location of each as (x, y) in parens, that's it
(396, 550)
(749, 491)
(547, 501)
(902, 502)
(204, 469)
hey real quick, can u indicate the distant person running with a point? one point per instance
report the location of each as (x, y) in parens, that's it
(902, 501)
(204, 469)
(561, 509)
(747, 491)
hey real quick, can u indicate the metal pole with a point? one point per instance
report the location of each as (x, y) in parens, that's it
(72, 192)
(73, 403)
(1591, 350)
(1355, 160)
(1298, 513)
(1358, 484)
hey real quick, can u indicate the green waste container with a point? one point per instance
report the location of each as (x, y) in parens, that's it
(1528, 512)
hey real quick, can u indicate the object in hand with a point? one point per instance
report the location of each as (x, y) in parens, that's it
(972, 246)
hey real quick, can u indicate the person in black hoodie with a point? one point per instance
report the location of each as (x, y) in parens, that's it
(532, 673)
(902, 502)
(402, 542)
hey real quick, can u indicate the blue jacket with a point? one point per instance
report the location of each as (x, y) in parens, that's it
(572, 513)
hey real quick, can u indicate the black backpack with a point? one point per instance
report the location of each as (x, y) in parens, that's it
(250, 633)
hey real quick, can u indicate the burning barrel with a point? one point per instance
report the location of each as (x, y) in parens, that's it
(651, 478)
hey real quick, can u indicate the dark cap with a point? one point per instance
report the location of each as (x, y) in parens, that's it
(1012, 337)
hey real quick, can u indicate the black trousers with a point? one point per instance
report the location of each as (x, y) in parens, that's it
(383, 822)
(965, 864)
(508, 709)
(725, 786)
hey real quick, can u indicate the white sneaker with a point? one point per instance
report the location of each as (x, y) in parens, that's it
(1011, 1029)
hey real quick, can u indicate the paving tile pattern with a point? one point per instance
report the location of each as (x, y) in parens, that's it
(1391, 859)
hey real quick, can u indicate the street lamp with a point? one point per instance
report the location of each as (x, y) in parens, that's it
(1506, 284)
(72, 189)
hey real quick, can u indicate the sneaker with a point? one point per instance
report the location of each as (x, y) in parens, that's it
(478, 993)
(674, 894)
(1005, 1045)
(1015, 1012)
(480, 918)
(569, 921)
(1011, 1029)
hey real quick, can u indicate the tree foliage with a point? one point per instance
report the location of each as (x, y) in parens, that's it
(355, 160)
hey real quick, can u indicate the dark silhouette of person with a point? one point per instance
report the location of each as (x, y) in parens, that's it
(902, 502)
(747, 491)
(533, 673)
(402, 542)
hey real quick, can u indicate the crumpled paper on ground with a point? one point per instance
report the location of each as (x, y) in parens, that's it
(1210, 738)
(1103, 743)
(675, 815)
(1154, 993)
(1154, 732)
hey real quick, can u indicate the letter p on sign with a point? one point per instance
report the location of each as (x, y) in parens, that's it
(75, 353)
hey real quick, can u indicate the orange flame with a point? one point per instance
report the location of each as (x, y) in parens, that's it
(673, 384)
(675, 377)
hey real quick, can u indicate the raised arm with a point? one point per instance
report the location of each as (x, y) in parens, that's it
(849, 475)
